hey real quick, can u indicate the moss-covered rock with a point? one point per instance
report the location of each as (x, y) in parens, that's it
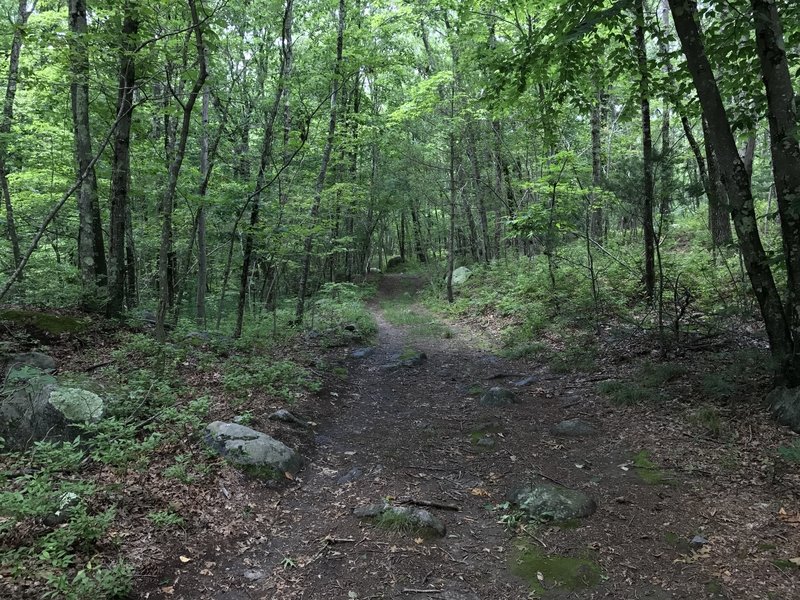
(44, 322)
(251, 451)
(785, 406)
(543, 501)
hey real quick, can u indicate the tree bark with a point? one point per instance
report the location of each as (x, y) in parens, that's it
(647, 155)
(784, 145)
(120, 164)
(91, 259)
(719, 216)
(266, 159)
(202, 252)
(326, 156)
(23, 13)
(737, 184)
(166, 255)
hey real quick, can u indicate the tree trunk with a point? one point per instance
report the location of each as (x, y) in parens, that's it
(266, 159)
(719, 219)
(5, 125)
(784, 146)
(326, 156)
(120, 165)
(737, 184)
(647, 155)
(166, 254)
(91, 260)
(596, 226)
(202, 252)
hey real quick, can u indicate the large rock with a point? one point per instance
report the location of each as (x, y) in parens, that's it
(403, 518)
(33, 407)
(461, 275)
(37, 360)
(543, 501)
(394, 263)
(497, 396)
(785, 406)
(44, 323)
(252, 451)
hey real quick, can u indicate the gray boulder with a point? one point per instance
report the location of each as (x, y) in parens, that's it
(461, 275)
(573, 428)
(497, 396)
(33, 407)
(403, 518)
(252, 451)
(543, 501)
(37, 360)
(785, 406)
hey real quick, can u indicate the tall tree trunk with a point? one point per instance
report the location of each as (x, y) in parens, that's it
(452, 172)
(266, 159)
(480, 193)
(719, 219)
(120, 165)
(596, 223)
(737, 183)
(784, 146)
(326, 156)
(166, 254)
(91, 260)
(202, 252)
(647, 155)
(23, 13)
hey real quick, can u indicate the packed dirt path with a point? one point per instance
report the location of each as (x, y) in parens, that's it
(409, 434)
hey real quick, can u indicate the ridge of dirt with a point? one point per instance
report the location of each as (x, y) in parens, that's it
(406, 434)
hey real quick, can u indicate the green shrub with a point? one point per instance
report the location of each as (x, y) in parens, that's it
(624, 393)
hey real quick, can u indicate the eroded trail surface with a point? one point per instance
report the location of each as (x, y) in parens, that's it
(419, 436)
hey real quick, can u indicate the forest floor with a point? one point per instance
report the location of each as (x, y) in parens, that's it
(409, 435)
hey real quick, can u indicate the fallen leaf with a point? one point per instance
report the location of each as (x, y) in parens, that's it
(288, 475)
(184, 559)
(169, 590)
(418, 540)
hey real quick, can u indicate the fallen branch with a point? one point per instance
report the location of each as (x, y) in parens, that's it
(430, 504)
(413, 591)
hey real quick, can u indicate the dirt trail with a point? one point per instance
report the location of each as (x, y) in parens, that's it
(408, 434)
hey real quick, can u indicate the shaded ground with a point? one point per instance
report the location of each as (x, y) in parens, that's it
(410, 434)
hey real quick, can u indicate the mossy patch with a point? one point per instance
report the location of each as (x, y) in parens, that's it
(45, 322)
(678, 542)
(545, 571)
(647, 470)
(624, 393)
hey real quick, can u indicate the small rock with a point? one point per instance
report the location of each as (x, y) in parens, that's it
(66, 504)
(286, 416)
(573, 428)
(525, 381)
(362, 352)
(698, 541)
(420, 521)
(406, 358)
(486, 442)
(351, 475)
(497, 396)
(254, 574)
(550, 502)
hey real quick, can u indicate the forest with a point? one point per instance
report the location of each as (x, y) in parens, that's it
(419, 252)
